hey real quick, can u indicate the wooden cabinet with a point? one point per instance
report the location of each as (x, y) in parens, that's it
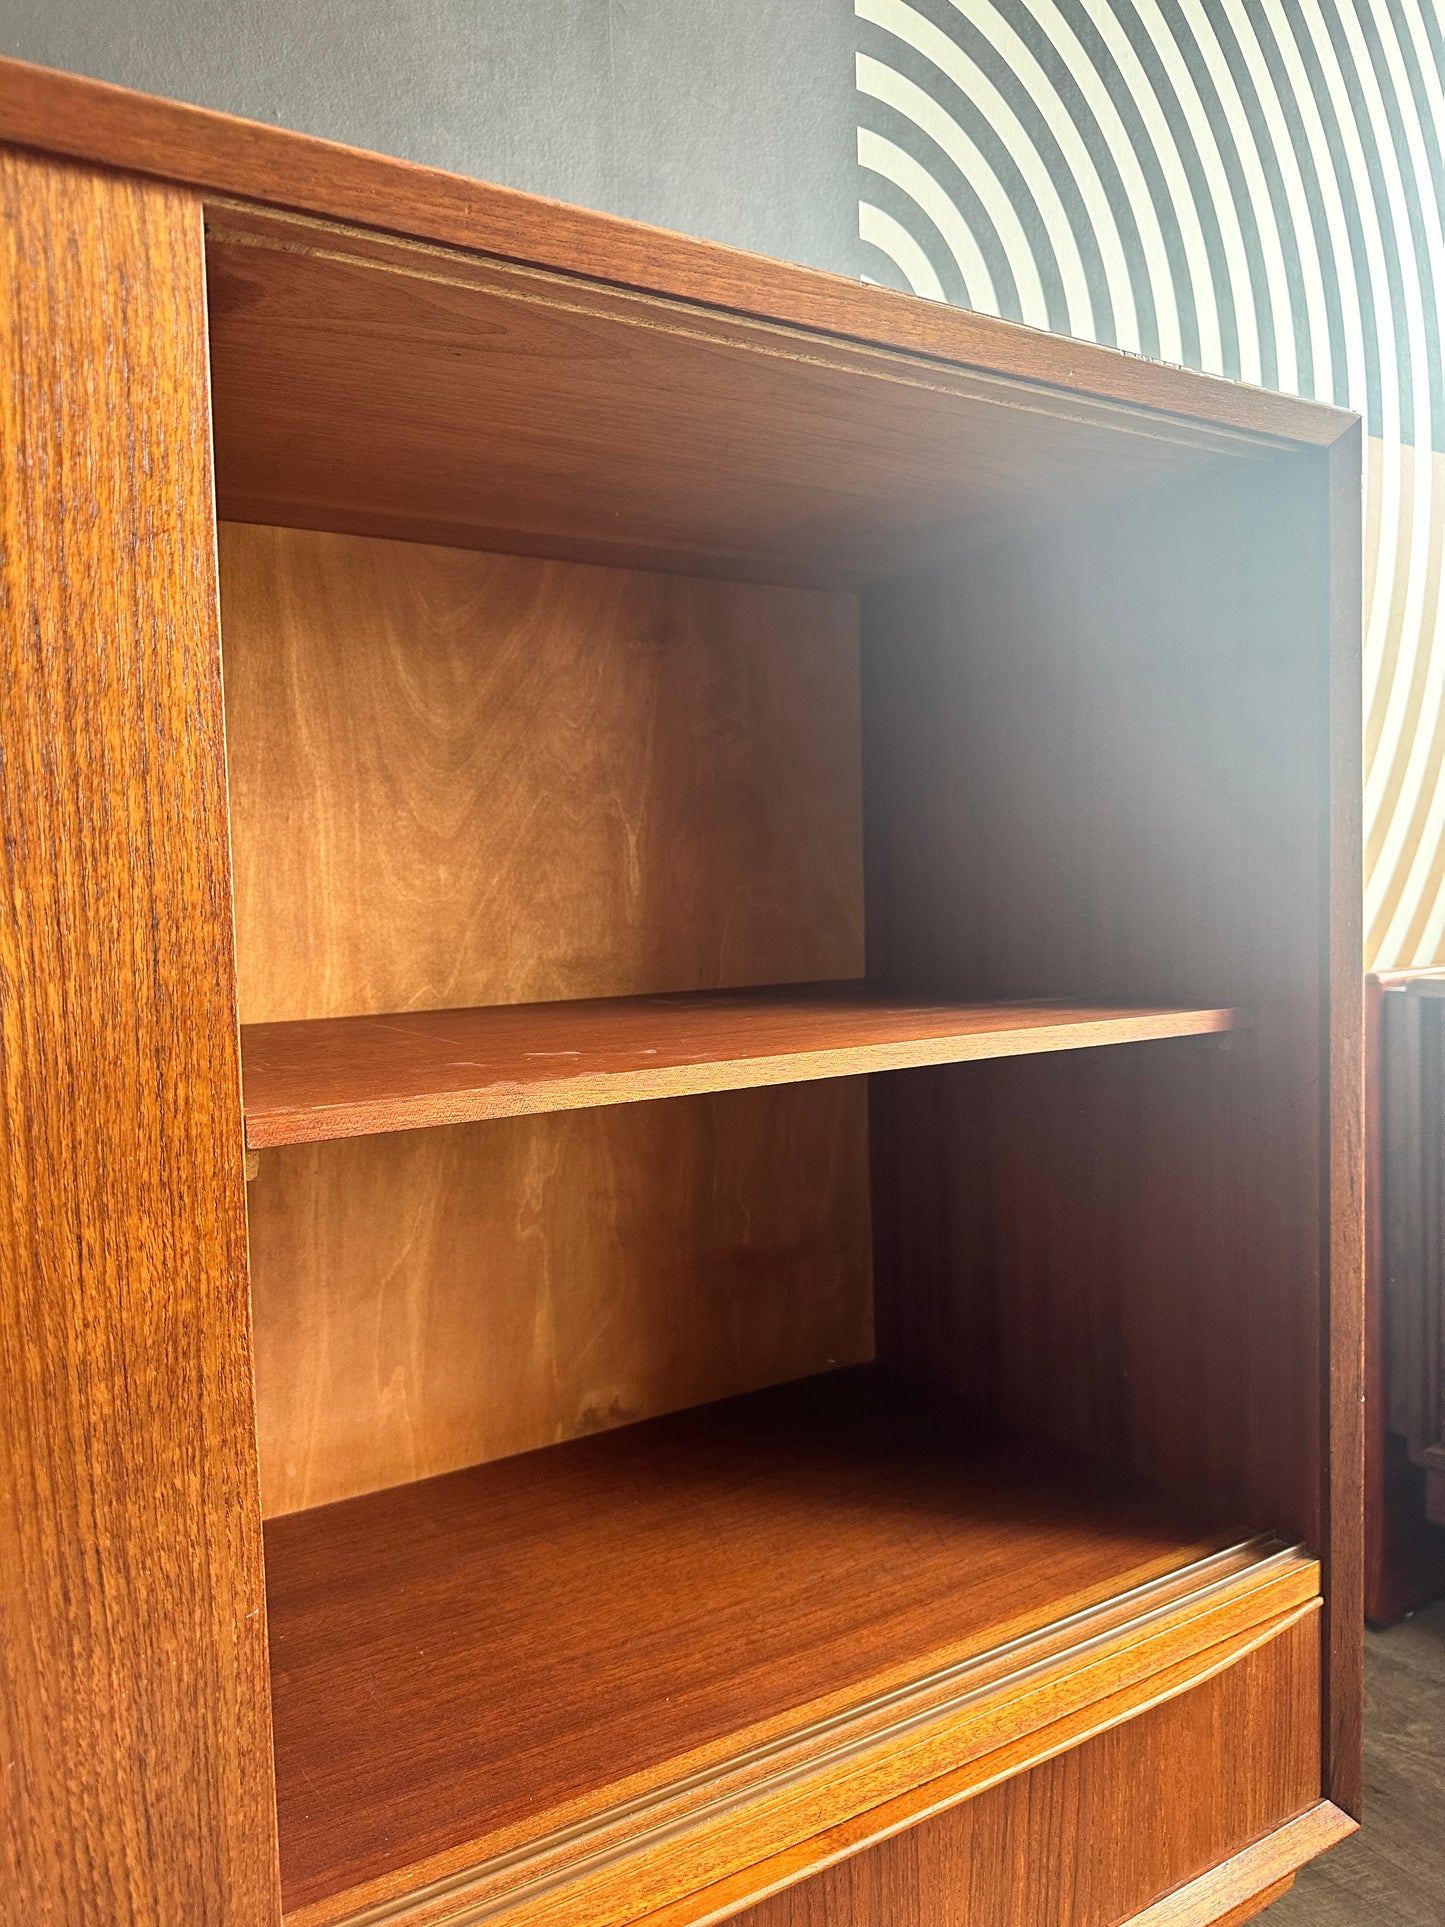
(681, 1112)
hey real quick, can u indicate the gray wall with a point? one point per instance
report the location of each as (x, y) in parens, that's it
(732, 119)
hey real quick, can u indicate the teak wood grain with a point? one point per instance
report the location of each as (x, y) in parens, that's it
(1110, 750)
(1101, 1832)
(1121, 741)
(354, 1076)
(1013, 1763)
(715, 1582)
(1241, 1887)
(433, 1300)
(671, 1877)
(396, 390)
(219, 154)
(1252, 1908)
(873, 1862)
(472, 779)
(135, 1767)
(1342, 1205)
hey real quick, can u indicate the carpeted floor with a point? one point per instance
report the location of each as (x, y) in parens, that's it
(1391, 1873)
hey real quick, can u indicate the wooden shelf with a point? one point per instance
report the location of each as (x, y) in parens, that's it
(353, 1076)
(464, 1667)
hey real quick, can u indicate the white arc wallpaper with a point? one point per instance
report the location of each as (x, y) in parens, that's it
(1252, 187)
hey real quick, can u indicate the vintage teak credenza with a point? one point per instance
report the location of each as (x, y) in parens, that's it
(680, 1004)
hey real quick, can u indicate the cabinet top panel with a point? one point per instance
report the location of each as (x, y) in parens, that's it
(216, 154)
(388, 387)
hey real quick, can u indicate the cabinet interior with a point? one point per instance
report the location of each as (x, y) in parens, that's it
(583, 646)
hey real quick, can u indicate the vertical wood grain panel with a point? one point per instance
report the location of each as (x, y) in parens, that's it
(1343, 1231)
(461, 778)
(1097, 764)
(1097, 1834)
(134, 1712)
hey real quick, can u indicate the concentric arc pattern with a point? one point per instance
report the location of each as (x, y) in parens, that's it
(1251, 187)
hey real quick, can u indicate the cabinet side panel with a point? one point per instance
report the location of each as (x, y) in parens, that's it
(1344, 1223)
(1096, 764)
(134, 1716)
(1200, 1777)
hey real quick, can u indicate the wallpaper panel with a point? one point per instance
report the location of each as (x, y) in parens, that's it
(1252, 187)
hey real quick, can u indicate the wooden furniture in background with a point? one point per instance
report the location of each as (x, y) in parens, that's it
(1404, 1292)
(777, 939)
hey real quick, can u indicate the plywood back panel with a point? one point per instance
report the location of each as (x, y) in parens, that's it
(460, 778)
(435, 1299)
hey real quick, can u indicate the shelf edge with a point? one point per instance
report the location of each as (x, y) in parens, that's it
(290, 1125)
